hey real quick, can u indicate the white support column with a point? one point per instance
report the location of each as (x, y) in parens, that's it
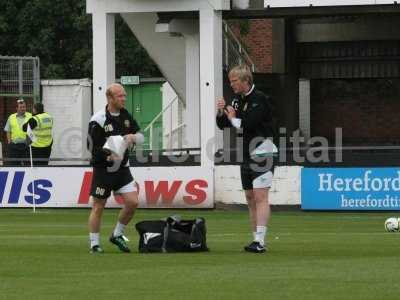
(210, 79)
(192, 117)
(103, 56)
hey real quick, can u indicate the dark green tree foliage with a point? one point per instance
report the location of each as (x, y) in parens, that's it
(60, 34)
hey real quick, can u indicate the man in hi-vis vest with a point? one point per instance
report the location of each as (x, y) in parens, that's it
(41, 124)
(17, 148)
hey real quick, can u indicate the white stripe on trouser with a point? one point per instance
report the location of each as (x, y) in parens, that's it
(263, 181)
(130, 187)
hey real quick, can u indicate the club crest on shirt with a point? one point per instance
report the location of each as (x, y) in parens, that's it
(235, 103)
(127, 123)
(108, 128)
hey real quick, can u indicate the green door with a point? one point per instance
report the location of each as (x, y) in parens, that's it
(144, 102)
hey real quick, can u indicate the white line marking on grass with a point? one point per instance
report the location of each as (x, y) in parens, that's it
(225, 234)
(47, 225)
(36, 237)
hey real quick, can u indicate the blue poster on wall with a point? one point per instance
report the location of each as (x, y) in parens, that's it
(350, 188)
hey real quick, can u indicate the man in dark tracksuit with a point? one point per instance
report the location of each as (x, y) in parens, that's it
(110, 172)
(250, 110)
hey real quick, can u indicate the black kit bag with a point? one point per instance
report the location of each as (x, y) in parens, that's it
(172, 235)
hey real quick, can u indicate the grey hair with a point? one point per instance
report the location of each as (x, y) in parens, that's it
(243, 72)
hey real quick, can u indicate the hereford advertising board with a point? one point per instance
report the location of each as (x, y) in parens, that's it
(350, 188)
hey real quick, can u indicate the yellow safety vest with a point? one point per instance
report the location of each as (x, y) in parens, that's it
(42, 131)
(16, 129)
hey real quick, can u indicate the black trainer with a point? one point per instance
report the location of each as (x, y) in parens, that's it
(120, 242)
(96, 249)
(255, 247)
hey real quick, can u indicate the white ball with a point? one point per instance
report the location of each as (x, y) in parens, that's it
(392, 224)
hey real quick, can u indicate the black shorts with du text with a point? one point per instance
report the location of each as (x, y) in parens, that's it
(104, 182)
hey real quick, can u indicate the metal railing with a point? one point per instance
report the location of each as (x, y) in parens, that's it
(179, 129)
(233, 51)
(20, 76)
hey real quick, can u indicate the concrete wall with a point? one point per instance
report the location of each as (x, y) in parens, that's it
(285, 188)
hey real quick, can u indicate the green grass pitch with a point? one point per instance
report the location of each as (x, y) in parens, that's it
(313, 255)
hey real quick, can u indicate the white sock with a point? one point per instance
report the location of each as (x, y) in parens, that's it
(260, 234)
(94, 238)
(119, 229)
(254, 235)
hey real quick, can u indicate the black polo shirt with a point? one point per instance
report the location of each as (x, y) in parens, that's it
(255, 111)
(102, 125)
